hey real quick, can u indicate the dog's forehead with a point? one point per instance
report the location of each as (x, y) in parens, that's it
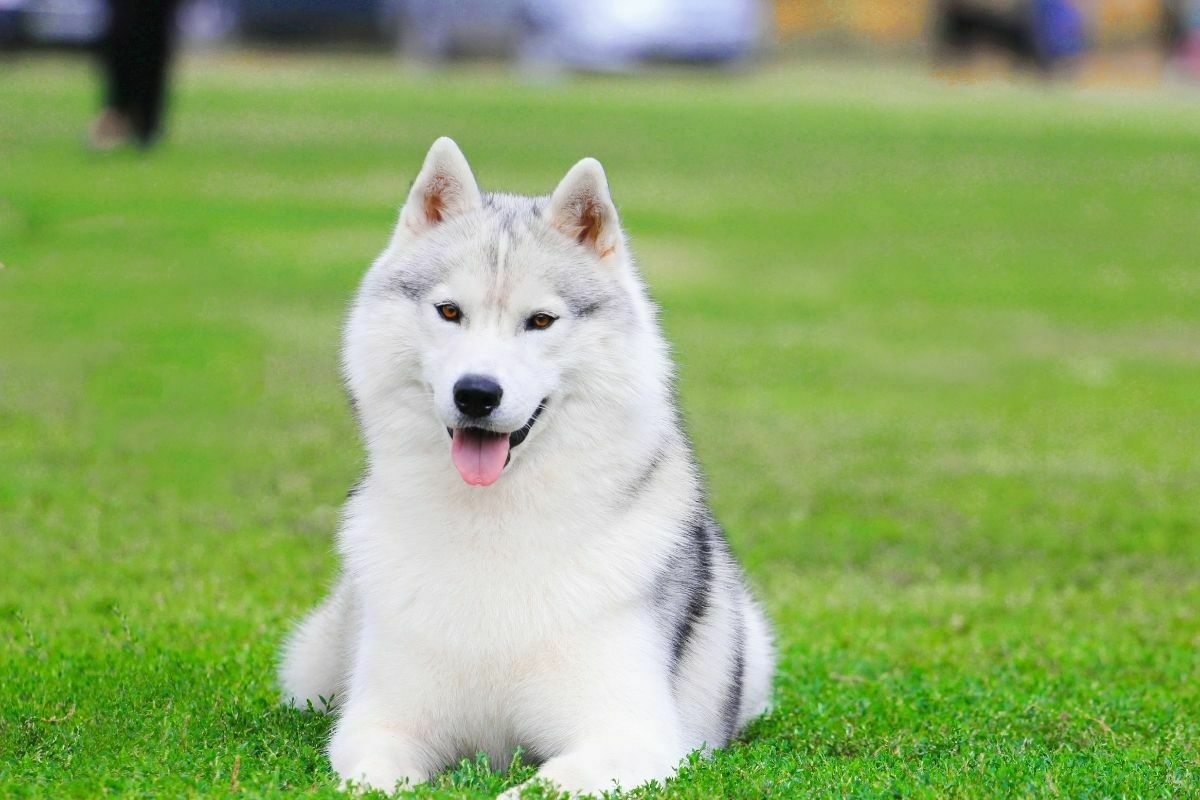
(503, 254)
(508, 254)
(513, 209)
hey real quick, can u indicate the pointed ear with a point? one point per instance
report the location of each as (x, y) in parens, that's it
(444, 188)
(582, 208)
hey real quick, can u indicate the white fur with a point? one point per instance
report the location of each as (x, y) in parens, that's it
(526, 613)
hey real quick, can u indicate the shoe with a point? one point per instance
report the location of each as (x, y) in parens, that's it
(109, 131)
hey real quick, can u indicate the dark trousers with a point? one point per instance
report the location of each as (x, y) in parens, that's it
(136, 55)
(964, 25)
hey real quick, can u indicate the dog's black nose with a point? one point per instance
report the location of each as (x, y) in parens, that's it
(477, 395)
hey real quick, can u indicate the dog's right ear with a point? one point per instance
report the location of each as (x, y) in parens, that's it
(445, 188)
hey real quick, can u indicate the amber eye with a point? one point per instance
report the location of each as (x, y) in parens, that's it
(449, 312)
(539, 322)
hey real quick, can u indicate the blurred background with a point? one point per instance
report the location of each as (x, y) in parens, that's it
(930, 271)
(1079, 42)
(1099, 40)
(1115, 40)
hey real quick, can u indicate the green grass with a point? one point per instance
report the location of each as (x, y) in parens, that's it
(940, 351)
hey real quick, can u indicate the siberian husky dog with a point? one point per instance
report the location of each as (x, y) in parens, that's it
(529, 561)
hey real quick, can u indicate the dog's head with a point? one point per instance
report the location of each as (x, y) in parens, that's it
(488, 316)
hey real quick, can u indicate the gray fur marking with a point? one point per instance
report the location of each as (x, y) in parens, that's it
(411, 285)
(688, 581)
(639, 484)
(733, 700)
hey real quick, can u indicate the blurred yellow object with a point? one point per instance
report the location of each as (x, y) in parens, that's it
(1121, 21)
(886, 20)
(799, 17)
(1111, 22)
(879, 20)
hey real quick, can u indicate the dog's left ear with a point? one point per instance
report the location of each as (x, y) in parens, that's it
(582, 208)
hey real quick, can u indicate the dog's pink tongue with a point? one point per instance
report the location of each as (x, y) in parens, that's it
(480, 456)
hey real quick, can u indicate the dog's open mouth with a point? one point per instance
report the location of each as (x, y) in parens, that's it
(481, 455)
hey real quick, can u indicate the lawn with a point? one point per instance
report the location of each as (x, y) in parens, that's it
(939, 348)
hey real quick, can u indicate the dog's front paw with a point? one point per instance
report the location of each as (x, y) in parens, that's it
(378, 772)
(534, 789)
(374, 757)
(593, 774)
(563, 777)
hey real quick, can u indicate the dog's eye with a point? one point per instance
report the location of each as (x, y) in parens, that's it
(539, 322)
(449, 312)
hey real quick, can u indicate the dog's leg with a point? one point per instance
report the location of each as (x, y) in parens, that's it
(384, 732)
(602, 707)
(374, 755)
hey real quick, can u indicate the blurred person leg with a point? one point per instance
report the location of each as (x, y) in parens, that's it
(966, 28)
(156, 47)
(113, 127)
(1181, 35)
(136, 57)
(1173, 27)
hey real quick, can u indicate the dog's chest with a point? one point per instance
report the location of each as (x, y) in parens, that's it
(482, 603)
(476, 636)
(494, 589)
